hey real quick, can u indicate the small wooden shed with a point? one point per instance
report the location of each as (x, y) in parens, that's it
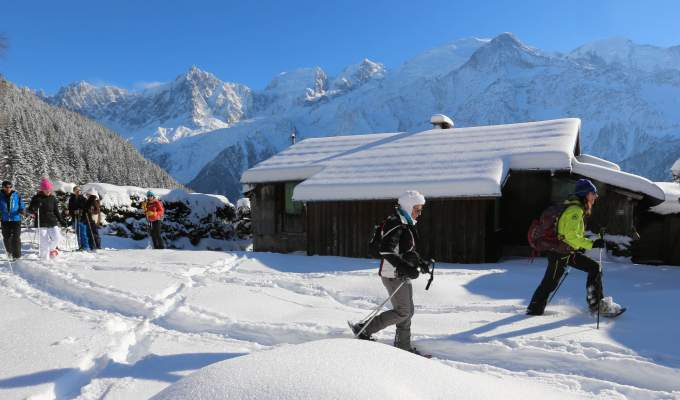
(659, 229)
(484, 185)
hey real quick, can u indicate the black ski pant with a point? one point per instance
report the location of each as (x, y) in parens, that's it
(156, 235)
(556, 266)
(11, 238)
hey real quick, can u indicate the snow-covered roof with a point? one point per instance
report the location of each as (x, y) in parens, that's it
(459, 162)
(671, 205)
(615, 177)
(307, 157)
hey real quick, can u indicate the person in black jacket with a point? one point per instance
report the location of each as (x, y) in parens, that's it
(76, 207)
(92, 218)
(45, 207)
(399, 264)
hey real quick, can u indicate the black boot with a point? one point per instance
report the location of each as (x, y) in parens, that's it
(356, 328)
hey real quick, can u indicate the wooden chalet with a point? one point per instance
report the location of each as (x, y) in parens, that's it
(483, 185)
(659, 229)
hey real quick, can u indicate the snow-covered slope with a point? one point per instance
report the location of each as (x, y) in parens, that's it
(623, 52)
(38, 140)
(628, 109)
(128, 323)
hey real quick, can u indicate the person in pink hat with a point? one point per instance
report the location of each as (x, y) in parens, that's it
(45, 208)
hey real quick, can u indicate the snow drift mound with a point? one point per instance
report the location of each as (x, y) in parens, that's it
(346, 369)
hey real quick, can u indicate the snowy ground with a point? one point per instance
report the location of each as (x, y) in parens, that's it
(127, 322)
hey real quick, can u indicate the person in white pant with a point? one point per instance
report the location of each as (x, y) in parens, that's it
(45, 207)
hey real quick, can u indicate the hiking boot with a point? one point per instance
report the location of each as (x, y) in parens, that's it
(531, 311)
(418, 353)
(356, 328)
(609, 307)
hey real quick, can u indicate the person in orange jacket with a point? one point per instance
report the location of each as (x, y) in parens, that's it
(154, 211)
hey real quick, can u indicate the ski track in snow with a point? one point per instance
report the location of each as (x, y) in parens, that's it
(133, 321)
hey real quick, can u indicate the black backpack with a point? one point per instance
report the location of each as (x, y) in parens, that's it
(374, 239)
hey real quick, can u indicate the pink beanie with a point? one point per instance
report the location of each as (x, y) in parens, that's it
(45, 184)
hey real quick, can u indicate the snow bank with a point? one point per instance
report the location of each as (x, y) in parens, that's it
(672, 203)
(121, 196)
(347, 369)
(192, 220)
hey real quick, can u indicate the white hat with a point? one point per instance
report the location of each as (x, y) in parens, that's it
(410, 199)
(92, 192)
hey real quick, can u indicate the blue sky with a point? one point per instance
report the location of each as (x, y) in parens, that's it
(133, 43)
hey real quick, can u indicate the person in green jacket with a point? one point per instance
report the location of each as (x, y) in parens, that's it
(571, 230)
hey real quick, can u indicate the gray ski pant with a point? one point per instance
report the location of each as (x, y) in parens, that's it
(401, 314)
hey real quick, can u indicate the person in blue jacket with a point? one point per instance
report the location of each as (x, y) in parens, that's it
(12, 208)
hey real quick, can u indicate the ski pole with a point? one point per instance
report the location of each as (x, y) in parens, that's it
(93, 247)
(566, 272)
(602, 230)
(429, 281)
(9, 261)
(39, 233)
(374, 313)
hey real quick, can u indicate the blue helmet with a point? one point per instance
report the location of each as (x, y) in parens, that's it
(150, 193)
(583, 187)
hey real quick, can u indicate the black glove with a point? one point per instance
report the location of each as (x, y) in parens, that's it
(424, 266)
(407, 272)
(598, 244)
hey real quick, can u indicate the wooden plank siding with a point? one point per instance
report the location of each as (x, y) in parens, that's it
(659, 241)
(273, 229)
(451, 230)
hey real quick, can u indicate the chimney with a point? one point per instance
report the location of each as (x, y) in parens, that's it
(441, 121)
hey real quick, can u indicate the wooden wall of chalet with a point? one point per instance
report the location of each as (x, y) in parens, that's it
(659, 241)
(525, 195)
(273, 229)
(451, 230)
(614, 211)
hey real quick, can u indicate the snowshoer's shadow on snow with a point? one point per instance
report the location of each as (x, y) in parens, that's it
(473, 335)
(68, 381)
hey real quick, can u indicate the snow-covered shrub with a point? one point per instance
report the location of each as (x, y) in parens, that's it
(201, 220)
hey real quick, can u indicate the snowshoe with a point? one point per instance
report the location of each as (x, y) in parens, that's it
(356, 328)
(609, 309)
(416, 352)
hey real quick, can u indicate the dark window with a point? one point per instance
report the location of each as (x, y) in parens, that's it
(292, 207)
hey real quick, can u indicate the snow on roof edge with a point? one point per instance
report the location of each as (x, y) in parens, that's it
(587, 158)
(671, 205)
(621, 179)
(283, 174)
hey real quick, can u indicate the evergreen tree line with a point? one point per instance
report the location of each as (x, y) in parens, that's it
(37, 139)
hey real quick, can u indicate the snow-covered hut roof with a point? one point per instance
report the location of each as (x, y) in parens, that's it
(458, 162)
(671, 205)
(610, 173)
(306, 158)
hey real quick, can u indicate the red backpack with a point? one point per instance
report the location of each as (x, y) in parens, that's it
(542, 234)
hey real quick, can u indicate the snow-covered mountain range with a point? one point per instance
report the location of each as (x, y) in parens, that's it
(205, 132)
